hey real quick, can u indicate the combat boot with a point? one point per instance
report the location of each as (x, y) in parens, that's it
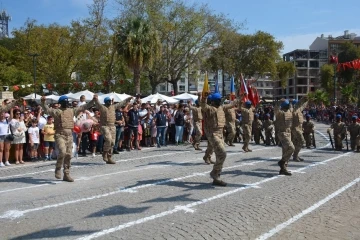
(110, 160)
(218, 182)
(215, 174)
(67, 177)
(245, 149)
(207, 160)
(249, 150)
(58, 173)
(296, 159)
(284, 171)
(197, 147)
(105, 156)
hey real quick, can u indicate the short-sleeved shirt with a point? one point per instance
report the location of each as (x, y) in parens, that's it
(49, 128)
(34, 133)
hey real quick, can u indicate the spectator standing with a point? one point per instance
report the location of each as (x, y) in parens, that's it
(34, 139)
(18, 129)
(179, 124)
(49, 138)
(133, 125)
(161, 120)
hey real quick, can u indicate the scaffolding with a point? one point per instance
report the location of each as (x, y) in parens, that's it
(4, 24)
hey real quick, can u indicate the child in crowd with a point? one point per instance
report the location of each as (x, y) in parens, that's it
(34, 139)
(49, 140)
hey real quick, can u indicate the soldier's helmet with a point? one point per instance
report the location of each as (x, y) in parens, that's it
(294, 102)
(267, 115)
(338, 116)
(62, 99)
(248, 103)
(196, 102)
(307, 116)
(354, 117)
(285, 104)
(209, 98)
(216, 96)
(107, 99)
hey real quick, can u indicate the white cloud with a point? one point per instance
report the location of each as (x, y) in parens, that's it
(303, 41)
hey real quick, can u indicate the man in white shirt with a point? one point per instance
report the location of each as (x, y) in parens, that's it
(82, 100)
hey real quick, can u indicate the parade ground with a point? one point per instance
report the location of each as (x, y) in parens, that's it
(167, 193)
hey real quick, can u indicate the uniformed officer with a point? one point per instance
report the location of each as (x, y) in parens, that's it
(209, 149)
(308, 129)
(296, 129)
(230, 118)
(354, 130)
(256, 128)
(247, 113)
(339, 132)
(197, 116)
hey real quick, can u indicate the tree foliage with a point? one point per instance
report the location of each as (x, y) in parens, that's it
(319, 97)
(327, 72)
(283, 71)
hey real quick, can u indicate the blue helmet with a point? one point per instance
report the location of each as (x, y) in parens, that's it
(209, 98)
(107, 99)
(307, 115)
(216, 96)
(294, 102)
(248, 102)
(196, 102)
(354, 117)
(256, 115)
(62, 98)
(338, 116)
(267, 115)
(285, 104)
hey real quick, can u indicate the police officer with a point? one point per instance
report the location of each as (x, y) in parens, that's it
(63, 125)
(284, 118)
(107, 123)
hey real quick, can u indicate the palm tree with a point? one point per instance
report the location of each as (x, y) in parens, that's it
(319, 97)
(347, 93)
(139, 45)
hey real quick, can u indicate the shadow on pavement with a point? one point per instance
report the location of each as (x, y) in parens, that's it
(117, 210)
(181, 198)
(53, 233)
(28, 180)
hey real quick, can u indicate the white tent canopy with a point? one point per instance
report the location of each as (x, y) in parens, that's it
(153, 98)
(186, 96)
(76, 96)
(116, 96)
(52, 97)
(32, 97)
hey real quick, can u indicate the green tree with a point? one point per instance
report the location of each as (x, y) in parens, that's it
(139, 45)
(327, 77)
(348, 52)
(319, 97)
(348, 94)
(283, 71)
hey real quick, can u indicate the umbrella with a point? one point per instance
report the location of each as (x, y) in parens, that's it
(116, 96)
(153, 98)
(88, 95)
(186, 96)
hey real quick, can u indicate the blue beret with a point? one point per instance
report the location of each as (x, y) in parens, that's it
(354, 117)
(285, 103)
(338, 116)
(248, 102)
(196, 102)
(216, 96)
(294, 102)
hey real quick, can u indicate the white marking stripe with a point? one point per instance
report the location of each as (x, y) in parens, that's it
(283, 225)
(188, 206)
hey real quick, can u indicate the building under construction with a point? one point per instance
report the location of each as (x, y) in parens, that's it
(4, 24)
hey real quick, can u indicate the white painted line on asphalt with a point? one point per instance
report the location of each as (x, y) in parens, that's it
(188, 206)
(283, 225)
(323, 135)
(22, 188)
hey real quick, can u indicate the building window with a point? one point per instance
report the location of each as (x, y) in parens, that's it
(182, 80)
(182, 88)
(162, 88)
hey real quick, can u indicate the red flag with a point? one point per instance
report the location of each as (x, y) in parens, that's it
(243, 91)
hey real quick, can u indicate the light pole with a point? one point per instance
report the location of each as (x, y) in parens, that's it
(34, 55)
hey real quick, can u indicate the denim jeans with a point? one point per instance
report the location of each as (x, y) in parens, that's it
(179, 133)
(100, 143)
(119, 130)
(133, 130)
(160, 131)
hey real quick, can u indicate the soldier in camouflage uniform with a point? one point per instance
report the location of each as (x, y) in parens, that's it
(308, 128)
(339, 132)
(63, 125)
(215, 118)
(230, 118)
(247, 113)
(284, 118)
(256, 128)
(268, 126)
(354, 130)
(209, 149)
(276, 128)
(296, 130)
(197, 116)
(107, 123)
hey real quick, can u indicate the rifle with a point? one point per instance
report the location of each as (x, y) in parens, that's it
(313, 139)
(331, 141)
(346, 139)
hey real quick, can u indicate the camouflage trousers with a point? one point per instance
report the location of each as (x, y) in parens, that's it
(287, 146)
(307, 137)
(257, 134)
(298, 140)
(268, 137)
(247, 134)
(354, 141)
(109, 133)
(277, 140)
(198, 132)
(230, 130)
(64, 144)
(216, 142)
(338, 138)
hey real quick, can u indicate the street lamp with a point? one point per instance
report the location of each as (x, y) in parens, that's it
(34, 55)
(334, 60)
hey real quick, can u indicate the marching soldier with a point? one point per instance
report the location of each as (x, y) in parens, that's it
(197, 116)
(107, 123)
(284, 118)
(268, 126)
(308, 128)
(256, 128)
(209, 149)
(230, 117)
(63, 125)
(296, 130)
(354, 130)
(247, 113)
(215, 118)
(339, 132)
(276, 128)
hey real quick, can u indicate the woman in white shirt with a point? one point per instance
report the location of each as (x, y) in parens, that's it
(18, 129)
(4, 144)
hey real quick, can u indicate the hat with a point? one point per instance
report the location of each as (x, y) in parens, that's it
(354, 117)
(248, 102)
(307, 115)
(294, 102)
(62, 98)
(196, 102)
(285, 103)
(216, 96)
(338, 116)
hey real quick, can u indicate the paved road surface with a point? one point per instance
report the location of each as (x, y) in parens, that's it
(167, 194)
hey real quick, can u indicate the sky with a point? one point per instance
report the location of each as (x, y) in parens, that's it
(294, 22)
